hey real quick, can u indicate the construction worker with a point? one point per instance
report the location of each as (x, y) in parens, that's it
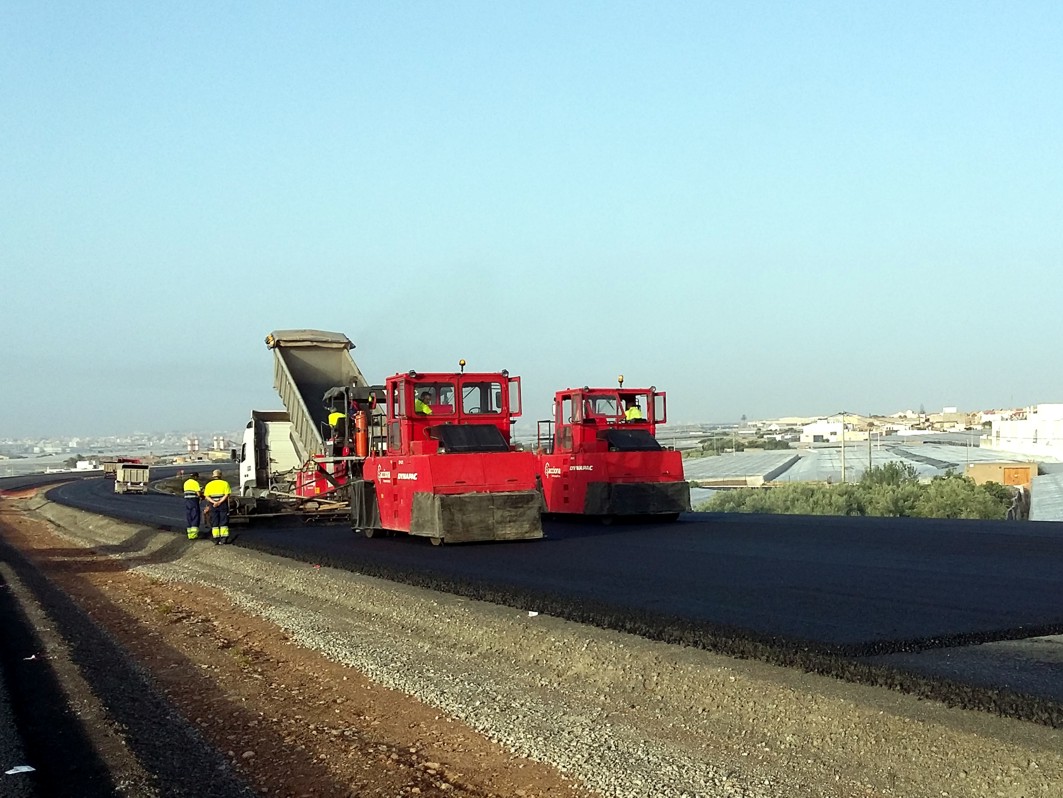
(633, 412)
(217, 493)
(193, 493)
(420, 404)
(334, 419)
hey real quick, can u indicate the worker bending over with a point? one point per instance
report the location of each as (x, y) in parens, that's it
(217, 492)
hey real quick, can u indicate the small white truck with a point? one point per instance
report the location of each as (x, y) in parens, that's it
(131, 478)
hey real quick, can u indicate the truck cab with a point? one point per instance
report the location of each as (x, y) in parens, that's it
(267, 457)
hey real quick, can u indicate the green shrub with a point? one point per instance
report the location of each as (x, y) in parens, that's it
(891, 490)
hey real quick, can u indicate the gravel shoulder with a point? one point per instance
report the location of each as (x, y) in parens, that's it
(314, 681)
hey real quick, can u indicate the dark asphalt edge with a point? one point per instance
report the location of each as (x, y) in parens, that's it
(167, 746)
(847, 665)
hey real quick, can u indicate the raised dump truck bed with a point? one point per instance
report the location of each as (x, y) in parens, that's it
(307, 364)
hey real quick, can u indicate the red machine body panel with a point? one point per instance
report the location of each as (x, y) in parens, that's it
(320, 477)
(404, 482)
(599, 455)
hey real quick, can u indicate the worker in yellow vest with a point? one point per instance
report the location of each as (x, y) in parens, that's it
(193, 493)
(334, 419)
(217, 493)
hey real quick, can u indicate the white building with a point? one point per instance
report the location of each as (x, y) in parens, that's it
(1039, 434)
(829, 430)
(822, 431)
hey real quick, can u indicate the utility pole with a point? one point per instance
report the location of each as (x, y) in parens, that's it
(843, 447)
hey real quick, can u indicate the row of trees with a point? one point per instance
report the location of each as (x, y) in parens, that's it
(892, 490)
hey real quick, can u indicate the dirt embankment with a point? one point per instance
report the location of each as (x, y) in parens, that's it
(317, 682)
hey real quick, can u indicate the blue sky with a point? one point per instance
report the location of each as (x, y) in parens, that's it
(763, 208)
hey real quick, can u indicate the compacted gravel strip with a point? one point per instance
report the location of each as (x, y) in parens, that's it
(626, 716)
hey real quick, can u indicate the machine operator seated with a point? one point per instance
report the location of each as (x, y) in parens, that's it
(337, 423)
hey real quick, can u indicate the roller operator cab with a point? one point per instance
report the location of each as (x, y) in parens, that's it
(444, 465)
(599, 455)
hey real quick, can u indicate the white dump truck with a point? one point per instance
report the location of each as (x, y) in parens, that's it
(131, 478)
(308, 365)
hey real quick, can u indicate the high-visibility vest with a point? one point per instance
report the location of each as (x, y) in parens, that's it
(216, 488)
(191, 489)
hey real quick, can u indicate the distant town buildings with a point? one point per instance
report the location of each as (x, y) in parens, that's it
(1035, 430)
(856, 427)
(86, 453)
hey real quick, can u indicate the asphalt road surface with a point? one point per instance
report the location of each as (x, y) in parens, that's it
(919, 604)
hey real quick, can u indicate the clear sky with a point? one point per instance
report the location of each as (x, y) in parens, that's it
(764, 208)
